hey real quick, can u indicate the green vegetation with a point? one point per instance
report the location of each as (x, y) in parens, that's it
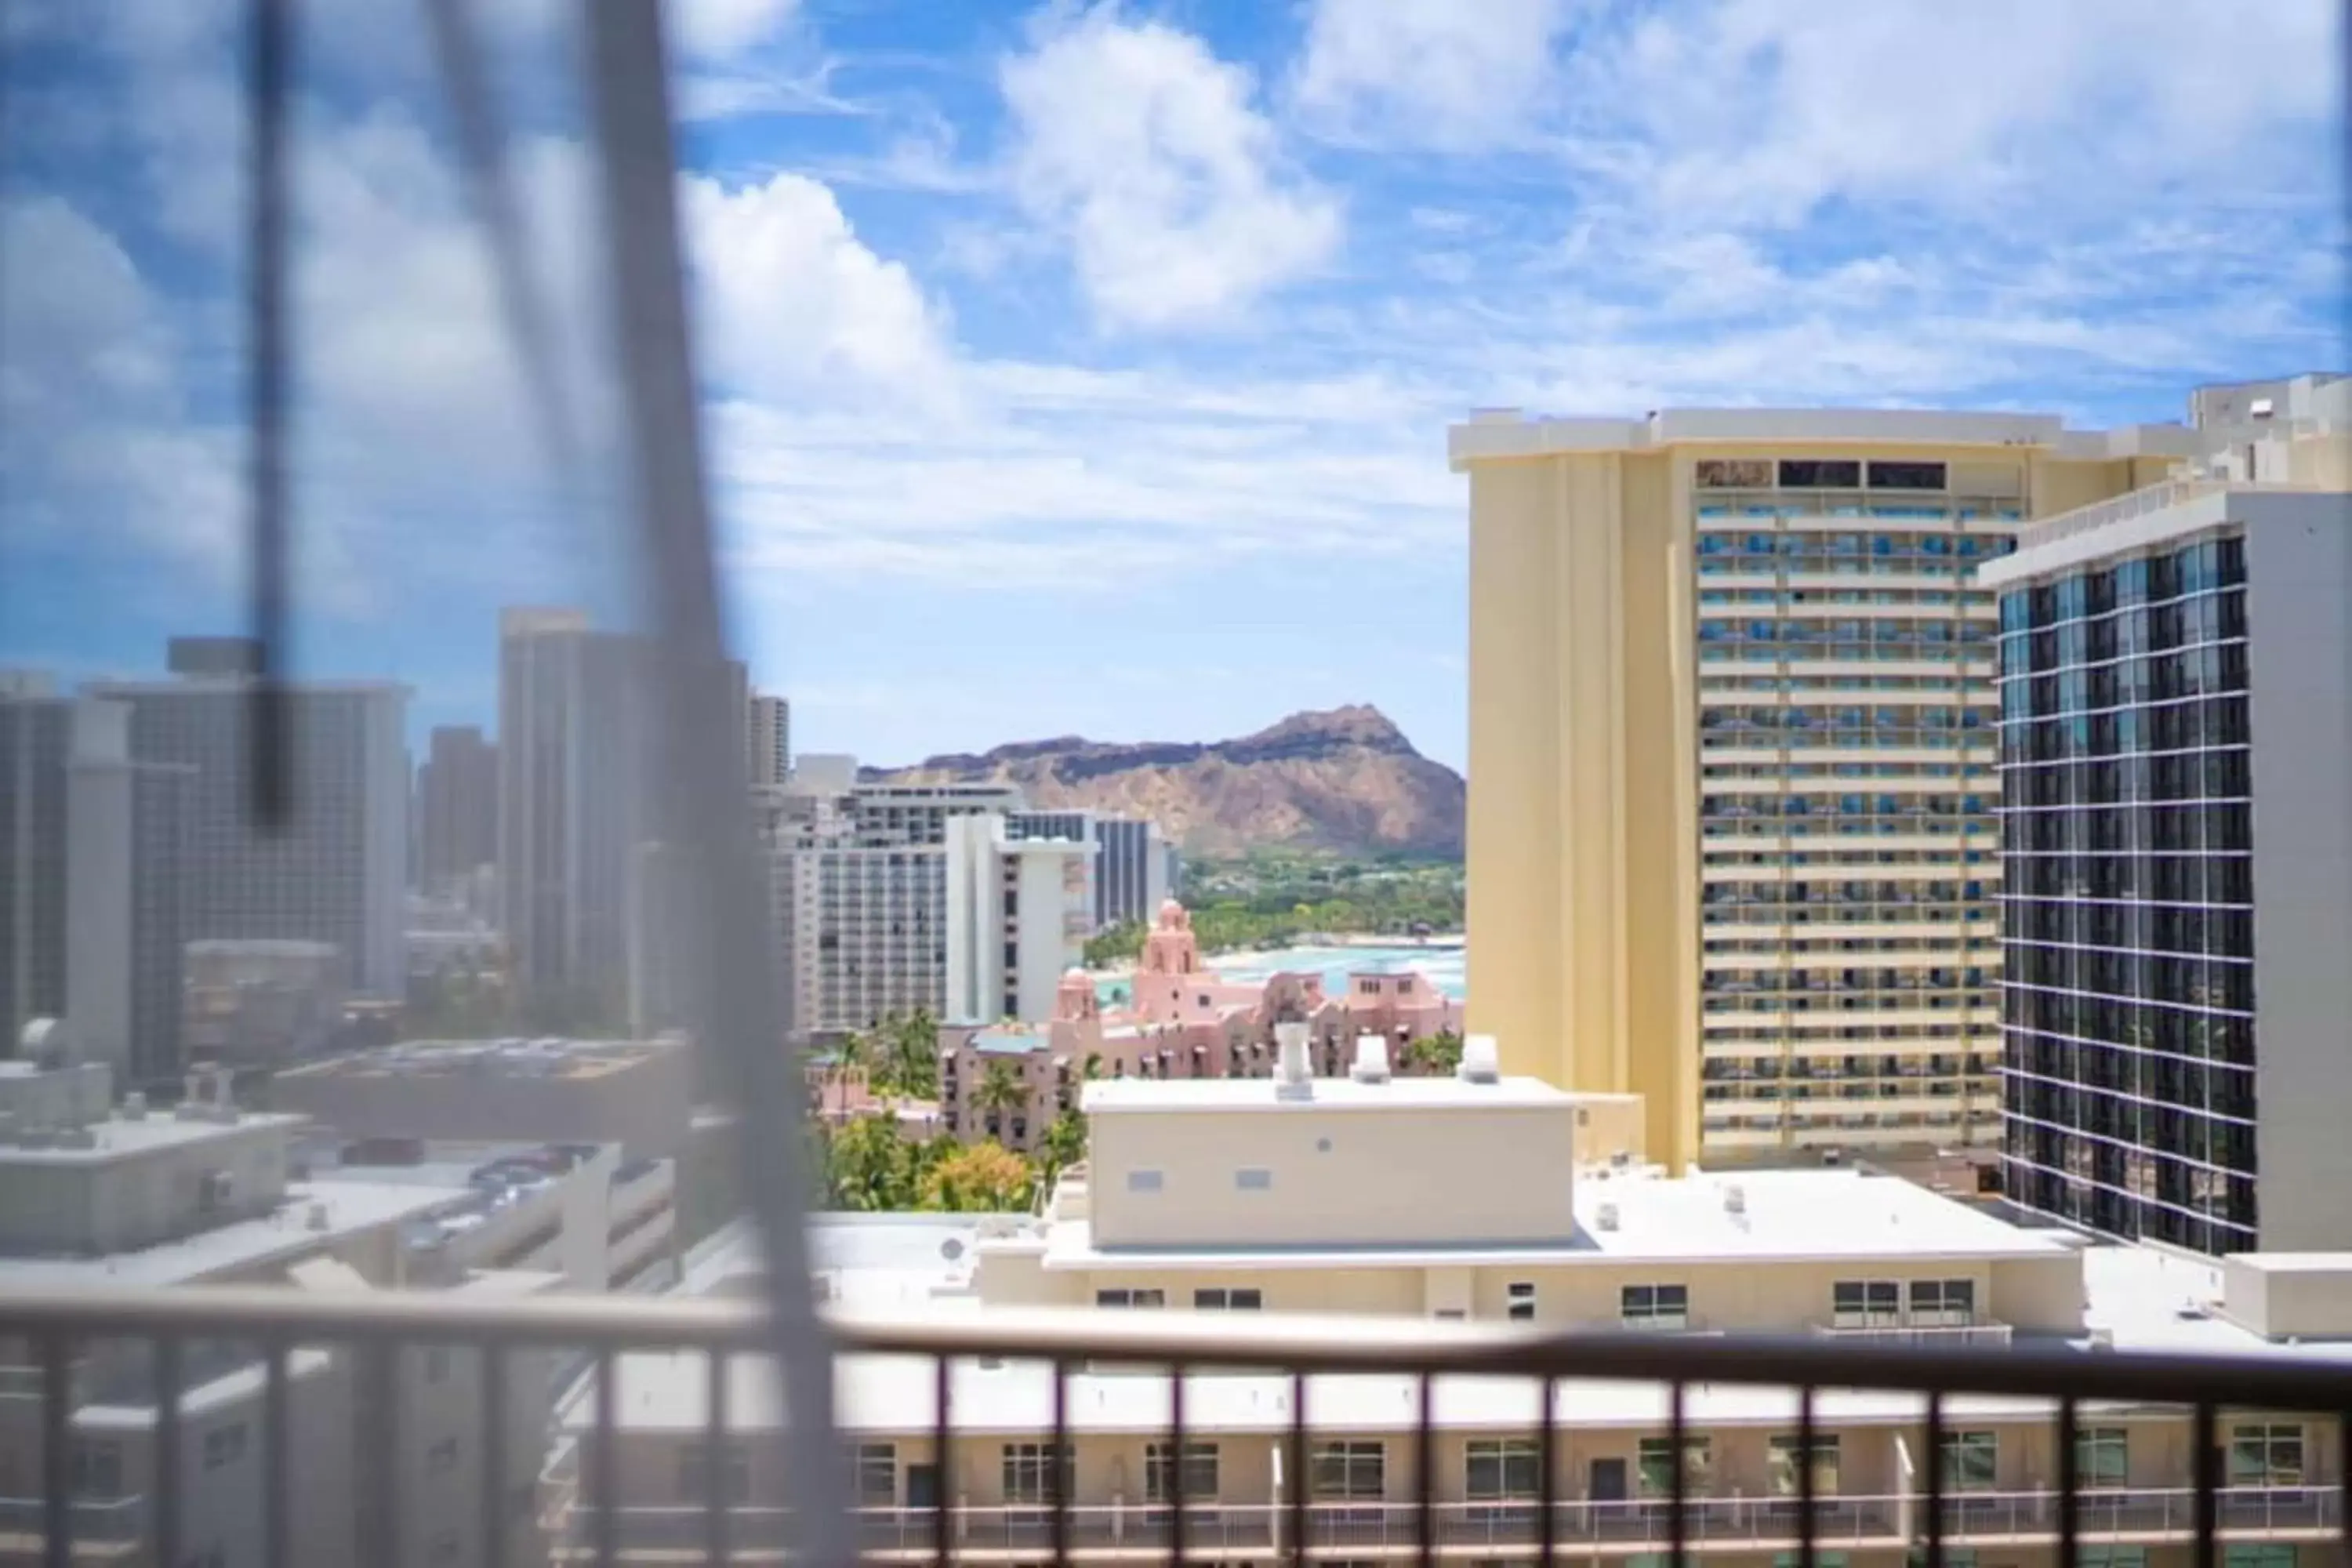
(1435, 1054)
(1275, 898)
(870, 1168)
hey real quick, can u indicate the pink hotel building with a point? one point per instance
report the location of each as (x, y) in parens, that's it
(1181, 1021)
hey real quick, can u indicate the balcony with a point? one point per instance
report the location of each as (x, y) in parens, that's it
(1989, 1335)
(589, 1504)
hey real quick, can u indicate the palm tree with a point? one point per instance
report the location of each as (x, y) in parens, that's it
(856, 1051)
(914, 1056)
(1000, 1094)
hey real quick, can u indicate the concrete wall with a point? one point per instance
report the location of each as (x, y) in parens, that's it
(2299, 614)
(78, 1204)
(645, 1105)
(1489, 1172)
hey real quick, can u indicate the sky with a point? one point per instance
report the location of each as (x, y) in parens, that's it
(1078, 368)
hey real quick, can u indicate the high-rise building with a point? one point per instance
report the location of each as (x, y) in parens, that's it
(1019, 909)
(128, 869)
(335, 870)
(2176, 696)
(1732, 842)
(771, 740)
(571, 749)
(456, 806)
(1131, 871)
(859, 888)
(36, 736)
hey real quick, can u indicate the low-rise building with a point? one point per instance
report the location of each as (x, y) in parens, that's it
(636, 1093)
(1284, 1197)
(256, 1003)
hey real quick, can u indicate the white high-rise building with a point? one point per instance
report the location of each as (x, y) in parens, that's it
(569, 816)
(1018, 914)
(771, 740)
(336, 869)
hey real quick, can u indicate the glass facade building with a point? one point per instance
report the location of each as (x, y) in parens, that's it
(2128, 917)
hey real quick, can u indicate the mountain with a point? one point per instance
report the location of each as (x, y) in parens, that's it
(1346, 781)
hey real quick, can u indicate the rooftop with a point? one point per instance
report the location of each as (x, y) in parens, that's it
(1008, 1042)
(1228, 1095)
(546, 1057)
(2151, 516)
(247, 1245)
(119, 1138)
(1502, 433)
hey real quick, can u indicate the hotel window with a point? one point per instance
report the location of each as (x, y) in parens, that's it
(1654, 1459)
(1130, 1298)
(1654, 1306)
(1357, 1470)
(1028, 1471)
(1782, 1472)
(1223, 1299)
(1521, 1296)
(2102, 1457)
(878, 1475)
(1971, 1461)
(1143, 1181)
(2267, 1554)
(1501, 1469)
(1252, 1179)
(1944, 1303)
(1200, 1475)
(2266, 1454)
(694, 1475)
(1865, 1303)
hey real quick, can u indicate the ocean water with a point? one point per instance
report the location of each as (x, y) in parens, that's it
(1440, 961)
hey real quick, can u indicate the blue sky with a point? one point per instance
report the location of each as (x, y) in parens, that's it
(1085, 368)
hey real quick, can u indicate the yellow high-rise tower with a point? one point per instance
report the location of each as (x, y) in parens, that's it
(1732, 841)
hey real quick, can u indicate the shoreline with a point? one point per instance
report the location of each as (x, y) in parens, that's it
(1441, 941)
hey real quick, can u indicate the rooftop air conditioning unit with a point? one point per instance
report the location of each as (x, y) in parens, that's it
(314, 1217)
(1734, 1199)
(1481, 1060)
(1605, 1216)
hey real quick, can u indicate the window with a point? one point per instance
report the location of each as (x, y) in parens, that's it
(1253, 1179)
(1822, 1560)
(442, 1457)
(1865, 1303)
(224, 1445)
(1802, 473)
(2102, 1457)
(694, 1475)
(1125, 1297)
(878, 1475)
(1228, 1298)
(96, 1469)
(1143, 1181)
(2266, 1454)
(1782, 1472)
(2267, 1554)
(1502, 1469)
(1951, 1303)
(2108, 1557)
(1733, 473)
(1654, 1464)
(1906, 476)
(1520, 1298)
(1654, 1306)
(1200, 1475)
(1970, 1461)
(1028, 1471)
(1357, 1470)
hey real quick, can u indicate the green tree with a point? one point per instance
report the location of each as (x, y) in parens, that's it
(1437, 1053)
(869, 1166)
(1000, 1093)
(912, 1052)
(982, 1178)
(1120, 942)
(856, 1051)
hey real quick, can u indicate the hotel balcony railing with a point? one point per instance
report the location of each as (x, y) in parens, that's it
(1992, 1334)
(590, 1519)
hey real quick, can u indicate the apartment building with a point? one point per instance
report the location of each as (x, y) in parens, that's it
(1019, 911)
(457, 807)
(1732, 844)
(2176, 699)
(336, 871)
(859, 892)
(770, 739)
(1132, 863)
(103, 1196)
(1281, 1198)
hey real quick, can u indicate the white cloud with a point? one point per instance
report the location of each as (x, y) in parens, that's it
(708, 30)
(791, 301)
(1148, 153)
(1436, 73)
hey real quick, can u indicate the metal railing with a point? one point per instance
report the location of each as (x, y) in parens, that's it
(592, 1523)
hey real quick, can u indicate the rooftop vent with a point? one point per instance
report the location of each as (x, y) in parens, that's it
(1605, 1216)
(314, 1217)
(1371, 1059)
(1480, 1062)
(135, 1106)
(1734, 1199)
(1293, 1078)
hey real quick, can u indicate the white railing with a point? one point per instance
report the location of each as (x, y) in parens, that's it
(2136, 504)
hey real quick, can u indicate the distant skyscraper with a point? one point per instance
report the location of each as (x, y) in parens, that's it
(127, 843)
(770, 720)
(36, 733)
(457, 805)
(335, 871)
(570, 816)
